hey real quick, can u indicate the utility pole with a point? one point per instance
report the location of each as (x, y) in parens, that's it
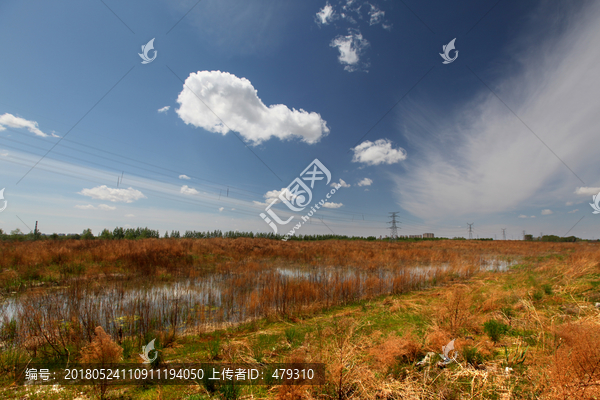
(470, 229)
(503, 233)
(393, 228)
(35, 231)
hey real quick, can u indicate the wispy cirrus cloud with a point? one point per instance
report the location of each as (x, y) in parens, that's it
(555, 99)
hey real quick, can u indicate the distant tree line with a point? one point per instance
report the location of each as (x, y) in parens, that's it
(147, 233)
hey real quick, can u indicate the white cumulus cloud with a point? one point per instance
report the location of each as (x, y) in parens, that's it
(332, 205)
(9, 120)
(207, 94)
(378, 152)
(103, 192)
(365, 182)
(185, 189)
(164, 109)
(221, 209)
(522, 216)
(184, 177)
(573, 211)
(547, 211)
(351, 48)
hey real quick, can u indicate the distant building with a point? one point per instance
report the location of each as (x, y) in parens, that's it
(428, 236)
(416, 236)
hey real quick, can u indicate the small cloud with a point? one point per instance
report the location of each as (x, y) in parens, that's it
(273, 195)
(325, 15)
(185, 189)
(103, 192)
(129, 215)
(104, 207)
(380, 152)
(164, 109)
(573, 211)
(569, 203)
(17, 122)
(332, 205)
(547, 212)
(522, 216)
(3, 153)
(221, 209)
(341, 184)
(587, 191)
(85, 207)
(376, 15)
(184, 177)
(533, 216)
(351, 48)
(233, 209)
(365, 182)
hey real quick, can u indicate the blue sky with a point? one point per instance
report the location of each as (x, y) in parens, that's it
(243, 96)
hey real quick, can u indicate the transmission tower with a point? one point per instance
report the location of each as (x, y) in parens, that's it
(523, 235)
(503, 233)
(394, 227)
(470, 229)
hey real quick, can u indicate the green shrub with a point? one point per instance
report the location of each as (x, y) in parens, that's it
(547, 289)
(230, 391)
(472, 355)
(214, 347)
(494, 329)
(293, 336)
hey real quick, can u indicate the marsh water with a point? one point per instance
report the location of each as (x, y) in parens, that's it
(217, 298)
